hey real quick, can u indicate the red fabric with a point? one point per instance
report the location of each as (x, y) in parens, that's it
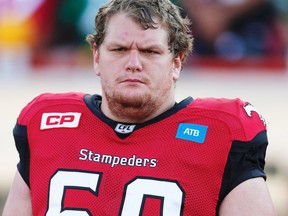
(193, 171)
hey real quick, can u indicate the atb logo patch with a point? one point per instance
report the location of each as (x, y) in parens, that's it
(124, 129)
(60, 120)
(192, 132)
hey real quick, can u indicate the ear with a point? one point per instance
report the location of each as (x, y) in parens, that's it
(96, 59)
(177, 65)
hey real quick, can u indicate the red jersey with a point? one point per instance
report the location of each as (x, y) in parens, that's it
(77, 161)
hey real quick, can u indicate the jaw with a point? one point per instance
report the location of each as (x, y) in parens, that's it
(137, 107)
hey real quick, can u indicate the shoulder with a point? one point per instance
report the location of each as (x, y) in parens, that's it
(219, 104)
(46, 100)
(59, 96)
(241, 116)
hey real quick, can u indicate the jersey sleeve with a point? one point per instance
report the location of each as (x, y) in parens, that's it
(21, 142)
(21, 129)
(20, 135)
(246, 159)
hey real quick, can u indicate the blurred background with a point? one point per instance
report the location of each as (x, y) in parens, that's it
(240, 50)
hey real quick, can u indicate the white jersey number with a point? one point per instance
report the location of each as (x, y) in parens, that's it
(170, 193)
(72, 179)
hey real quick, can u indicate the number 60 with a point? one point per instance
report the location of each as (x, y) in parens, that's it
(133, 200)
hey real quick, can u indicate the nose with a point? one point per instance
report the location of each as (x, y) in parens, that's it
(134, 63)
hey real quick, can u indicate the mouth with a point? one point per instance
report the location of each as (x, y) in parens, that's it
(133, 81)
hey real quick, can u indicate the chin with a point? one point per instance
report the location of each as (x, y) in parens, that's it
(136, 101)
(133, 108)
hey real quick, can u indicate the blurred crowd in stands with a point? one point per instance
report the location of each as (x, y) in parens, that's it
(226, 29)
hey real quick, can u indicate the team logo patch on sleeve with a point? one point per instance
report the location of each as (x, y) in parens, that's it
(60, 120)
(193, 132)
(249, 109)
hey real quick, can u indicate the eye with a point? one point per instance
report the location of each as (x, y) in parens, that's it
(120, 49)
(152, 52)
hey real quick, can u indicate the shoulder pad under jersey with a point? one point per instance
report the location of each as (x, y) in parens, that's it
(242, 117)
(48, 99)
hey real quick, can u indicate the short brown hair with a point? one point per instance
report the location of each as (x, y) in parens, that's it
(143, 12)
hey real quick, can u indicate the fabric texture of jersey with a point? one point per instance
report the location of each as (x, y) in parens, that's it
(183, 162)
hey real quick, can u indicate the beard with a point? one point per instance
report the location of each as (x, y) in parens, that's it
(137, 107)
(132, 107)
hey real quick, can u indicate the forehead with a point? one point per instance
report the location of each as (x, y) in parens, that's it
(123, 28)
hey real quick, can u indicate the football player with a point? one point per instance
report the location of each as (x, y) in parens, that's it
(134, 150)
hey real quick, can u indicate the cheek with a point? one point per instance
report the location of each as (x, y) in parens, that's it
(107, 81)
(105, 70)
(163, 80)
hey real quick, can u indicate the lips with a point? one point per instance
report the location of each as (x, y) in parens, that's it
(133, 81)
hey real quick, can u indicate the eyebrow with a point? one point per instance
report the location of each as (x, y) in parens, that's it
(154, 47)
(145, 47)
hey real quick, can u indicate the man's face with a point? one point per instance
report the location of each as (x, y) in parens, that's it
(136, 68)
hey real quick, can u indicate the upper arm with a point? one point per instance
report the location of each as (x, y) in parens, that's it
(19, 199)
(251, 197)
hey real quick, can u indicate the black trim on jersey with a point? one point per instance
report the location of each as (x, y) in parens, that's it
(21, 142)
(246, 160)
(93, 102)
